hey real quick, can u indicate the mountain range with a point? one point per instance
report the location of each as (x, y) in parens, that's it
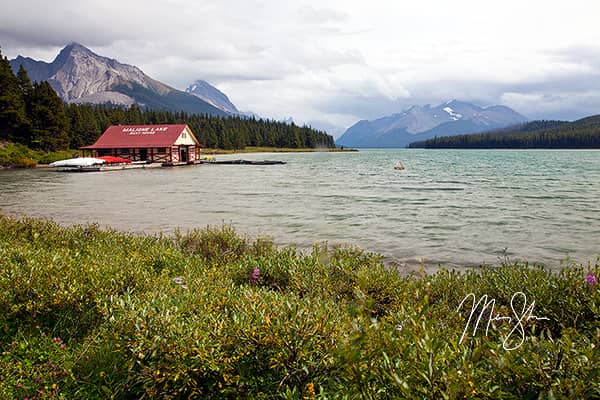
(423, 122)
(79, 75)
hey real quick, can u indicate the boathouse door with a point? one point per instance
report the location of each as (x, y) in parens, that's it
(183, 154)
(143, 154)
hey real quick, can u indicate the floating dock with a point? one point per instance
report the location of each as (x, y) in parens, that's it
(105, 168)
(245, 162)
(138, 165)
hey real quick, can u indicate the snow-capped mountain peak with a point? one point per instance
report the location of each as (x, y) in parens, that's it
(422, 122)
(212, 95)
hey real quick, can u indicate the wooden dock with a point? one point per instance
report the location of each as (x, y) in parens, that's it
(244, 162)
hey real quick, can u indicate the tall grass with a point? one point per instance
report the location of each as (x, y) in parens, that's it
(91, 313)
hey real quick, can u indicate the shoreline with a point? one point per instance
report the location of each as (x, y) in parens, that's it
(404, 266)
(211, 152)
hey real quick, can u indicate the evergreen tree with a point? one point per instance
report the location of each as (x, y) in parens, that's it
(49, 126)
(12, 104)
(24, 83)
(26, 90)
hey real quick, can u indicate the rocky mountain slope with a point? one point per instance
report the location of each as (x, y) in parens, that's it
(79, 75)
(212, 95)
(424, 122)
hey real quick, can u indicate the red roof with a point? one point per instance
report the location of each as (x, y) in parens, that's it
(138, 136)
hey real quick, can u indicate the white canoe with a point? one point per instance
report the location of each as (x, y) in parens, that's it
(77, 162)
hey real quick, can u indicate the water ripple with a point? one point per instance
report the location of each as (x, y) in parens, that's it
(456, 207)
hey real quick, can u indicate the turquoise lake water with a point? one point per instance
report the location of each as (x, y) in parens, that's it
(454, 207)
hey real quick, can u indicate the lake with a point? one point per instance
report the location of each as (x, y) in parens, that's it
(454, 207)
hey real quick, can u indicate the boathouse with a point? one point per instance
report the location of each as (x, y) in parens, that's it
(152, 143)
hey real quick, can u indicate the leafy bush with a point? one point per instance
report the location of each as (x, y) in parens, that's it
(51, 156)
(21, 156)
(16, 155)
(92, 313)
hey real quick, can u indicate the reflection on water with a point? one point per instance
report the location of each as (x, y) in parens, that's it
(453, 207)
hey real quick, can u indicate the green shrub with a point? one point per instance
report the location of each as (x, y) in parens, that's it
(21, 156)
(92, 313)
(16, 155)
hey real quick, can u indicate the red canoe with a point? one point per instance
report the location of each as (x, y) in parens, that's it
(114, 160)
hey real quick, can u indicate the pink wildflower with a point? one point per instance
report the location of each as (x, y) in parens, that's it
(255, 275)
(591, 279)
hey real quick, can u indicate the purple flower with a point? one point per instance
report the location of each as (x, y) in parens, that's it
(591, 279)
(178, 280)
(255, 275)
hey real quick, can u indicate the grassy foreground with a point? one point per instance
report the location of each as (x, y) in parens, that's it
(90, 313)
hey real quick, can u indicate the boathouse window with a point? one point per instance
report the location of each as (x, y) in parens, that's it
(183, 135)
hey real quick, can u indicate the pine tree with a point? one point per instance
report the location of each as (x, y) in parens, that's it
(26, 90)
(12, 105)
(24, 83)
(49, 121)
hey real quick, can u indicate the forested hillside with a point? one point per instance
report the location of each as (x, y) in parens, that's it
(581, 134)
(32, 114)
(87, 122)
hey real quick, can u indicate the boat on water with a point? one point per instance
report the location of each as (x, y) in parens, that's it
(110, 160)
(79, 164)
(399, 165)
(98, 164)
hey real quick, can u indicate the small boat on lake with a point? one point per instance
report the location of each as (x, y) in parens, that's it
(399, 165)
(110, 160)
(79, 164)
(99, 164)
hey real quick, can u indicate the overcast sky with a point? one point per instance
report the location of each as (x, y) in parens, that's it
(330, 63)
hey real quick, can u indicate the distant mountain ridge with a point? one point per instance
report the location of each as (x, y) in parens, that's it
(212, 95)
(423, 122)
(79, 75)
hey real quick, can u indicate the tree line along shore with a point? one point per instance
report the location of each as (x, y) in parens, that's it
(36, 126)
(542, 134)
(94, 313)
